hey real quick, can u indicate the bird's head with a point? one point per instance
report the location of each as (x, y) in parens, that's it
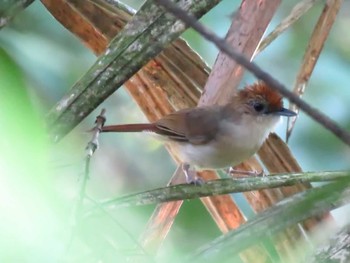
(260, 100)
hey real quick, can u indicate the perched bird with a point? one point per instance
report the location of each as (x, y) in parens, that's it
(218, 136)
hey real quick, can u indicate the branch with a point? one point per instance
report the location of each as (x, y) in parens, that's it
(90, 149)
(288, 212)
(137, 243)
(314, 49)
(247, 28)
(220, 187)
(321, 118)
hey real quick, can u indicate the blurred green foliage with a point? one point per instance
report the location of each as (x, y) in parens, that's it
(40, 60)
(30, 227)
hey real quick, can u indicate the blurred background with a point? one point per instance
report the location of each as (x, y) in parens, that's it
(40, 60)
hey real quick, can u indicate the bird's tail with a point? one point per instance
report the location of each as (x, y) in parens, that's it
(138, 127)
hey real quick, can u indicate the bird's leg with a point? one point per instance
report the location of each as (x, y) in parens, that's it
(191, 176)
(232, 171)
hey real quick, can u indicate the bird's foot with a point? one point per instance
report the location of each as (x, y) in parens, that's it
(196, 181)
(231, 171)
(191, 176)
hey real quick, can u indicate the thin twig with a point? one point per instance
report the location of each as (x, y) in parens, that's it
(90, 149)
(315, 46)
(115, 5)
(321, 118)
(220, 187)
(130, 235)
(298, 11)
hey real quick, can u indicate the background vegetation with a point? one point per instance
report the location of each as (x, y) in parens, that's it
(40, 61)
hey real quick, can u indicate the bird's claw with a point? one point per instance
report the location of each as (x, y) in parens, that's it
(196, 181)
(191, 176)
(231, 171)
(260, 174)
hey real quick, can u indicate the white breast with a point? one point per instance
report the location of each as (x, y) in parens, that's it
(233, 144)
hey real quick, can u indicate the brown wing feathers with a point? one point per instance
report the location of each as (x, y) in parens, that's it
(196, 125)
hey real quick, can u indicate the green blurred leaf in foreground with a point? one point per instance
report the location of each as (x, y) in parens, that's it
(289, 211)
(29, 228)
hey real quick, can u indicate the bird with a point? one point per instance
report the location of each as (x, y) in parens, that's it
(218, 136)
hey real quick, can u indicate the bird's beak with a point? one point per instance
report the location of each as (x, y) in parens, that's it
(286, 112)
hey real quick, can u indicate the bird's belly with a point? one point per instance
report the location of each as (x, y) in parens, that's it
(233, 144)
(217, 154)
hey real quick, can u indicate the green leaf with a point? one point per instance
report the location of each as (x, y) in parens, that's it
(285, 213)
(219, 187)
(28, 223)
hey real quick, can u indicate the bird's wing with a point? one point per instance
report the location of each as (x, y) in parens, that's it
(195, 125)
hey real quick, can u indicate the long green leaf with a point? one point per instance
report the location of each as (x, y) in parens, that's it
(335, 250)
(285, 213)
(219, 187)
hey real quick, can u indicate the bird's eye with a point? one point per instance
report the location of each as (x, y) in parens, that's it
(259, 107)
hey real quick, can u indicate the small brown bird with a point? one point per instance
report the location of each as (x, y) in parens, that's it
(214, 137)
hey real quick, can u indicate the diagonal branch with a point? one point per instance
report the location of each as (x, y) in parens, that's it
(287, 212)
(315, 46)
(321, 118)
(220, 187)
(244, 35)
